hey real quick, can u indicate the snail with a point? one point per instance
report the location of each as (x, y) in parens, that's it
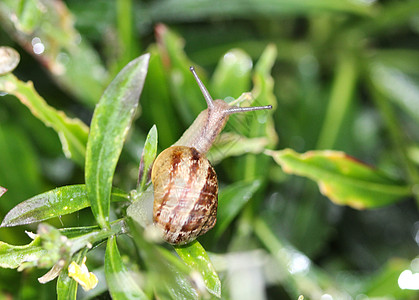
(9, 59)
(185, 183)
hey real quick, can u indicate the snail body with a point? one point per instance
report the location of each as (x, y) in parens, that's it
(185, 184)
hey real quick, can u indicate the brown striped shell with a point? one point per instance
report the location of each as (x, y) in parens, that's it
(185, 194)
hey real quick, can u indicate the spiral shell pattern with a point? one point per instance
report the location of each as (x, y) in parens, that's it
(185, 194)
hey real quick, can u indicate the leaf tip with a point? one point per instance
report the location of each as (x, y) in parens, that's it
(2, 190)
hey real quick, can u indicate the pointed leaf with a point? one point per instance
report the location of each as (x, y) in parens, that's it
(187, 10)
(233, 144)
(60, 201)
(195, 256)
(2, 191)
(156, 94)
(231, 201)
(109, 127)
(232, 75)
(168, 276)
(343, 179)
(147, 158)
(121, 283)
(72, 132)
(66, 286)
(188, 98)
(398, 86)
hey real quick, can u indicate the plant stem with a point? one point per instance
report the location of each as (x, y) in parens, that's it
(342, 90)
(397, 138)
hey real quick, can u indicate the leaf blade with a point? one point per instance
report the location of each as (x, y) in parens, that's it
(231, 200)
(60, 201)
(195, 256)
(71, 131)
(147, 158)
(120, 282)
(111, 121)
(341, 178)
(13, 256)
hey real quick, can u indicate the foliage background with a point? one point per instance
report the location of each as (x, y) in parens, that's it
(345, 77)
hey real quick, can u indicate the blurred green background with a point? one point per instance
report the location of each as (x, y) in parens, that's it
(345, 76)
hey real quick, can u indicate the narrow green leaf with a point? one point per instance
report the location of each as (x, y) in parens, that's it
(147, 158)
(168, 277)
(60, 201)
(340, 99)
(231, 144)
(343, 179)
(2, 191)
(231, 201)
(91, 237)
(260, 123)
(121, 283)
(66, 286)
(190, 10)
(401, 88)
(232, 76)
(382, 283)
(72, 132)
(156, 94)
(195, 256)
(109, 127)
(13, 256)
(188, 97)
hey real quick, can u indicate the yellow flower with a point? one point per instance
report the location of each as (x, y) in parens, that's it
(81, 274)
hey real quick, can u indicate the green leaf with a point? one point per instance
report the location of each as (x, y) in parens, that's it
(120, 282)
(147, 158)
(168, 277)
(190, 10)
(108, 130)
(13, 256)
(88, 237)
(343, 88)
(60, 201)
(401, 88)
(382, 283)
(231, 201)
(232, 76)
(2, 191)
(195, 256)
(188, 97)
(72, 132)
(231, 144)
(261, 123)
(156, 94)
(343, 179)
(66, 286)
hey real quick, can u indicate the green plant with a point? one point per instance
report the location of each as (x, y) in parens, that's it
(276, 229)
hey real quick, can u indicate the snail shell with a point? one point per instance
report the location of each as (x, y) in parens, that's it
(9, 59)
(185, 194)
